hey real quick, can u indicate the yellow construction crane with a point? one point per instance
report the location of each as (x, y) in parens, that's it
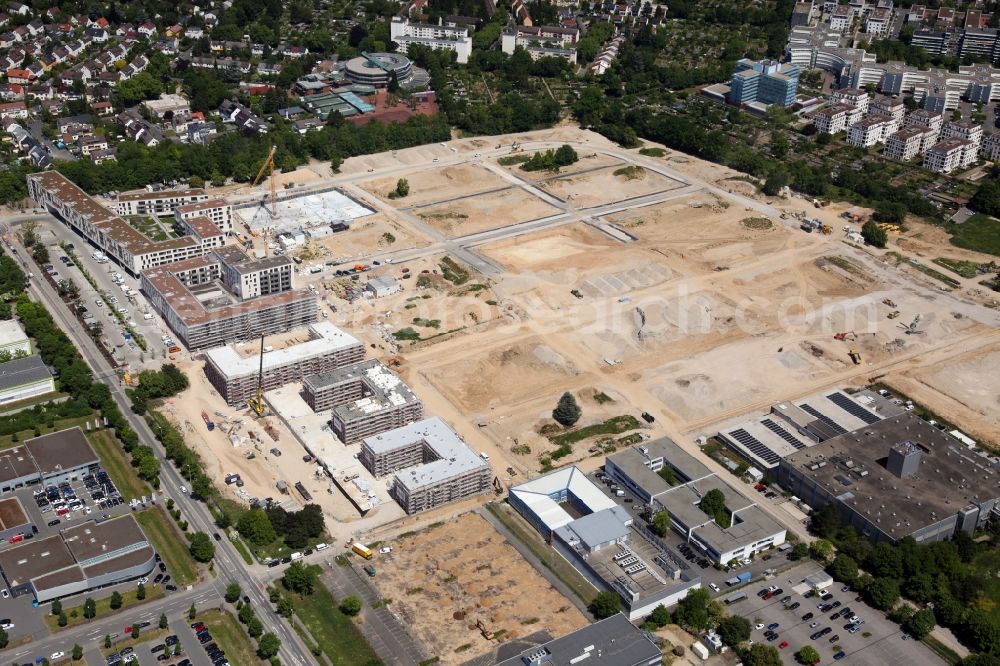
(256, 403)
(269, 164)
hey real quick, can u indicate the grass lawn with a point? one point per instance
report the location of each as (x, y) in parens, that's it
(230, 635)
(117, 466)
(980, 233)
(242, 549)
(277, 548)
(170, 544)
(612, 426)
(8, 441)
(967, 269)
(936, 274)
(103, 608)
(335, 632)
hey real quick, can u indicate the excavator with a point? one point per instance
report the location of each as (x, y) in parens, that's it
(486, 632)
(855, 356)
(847, 335)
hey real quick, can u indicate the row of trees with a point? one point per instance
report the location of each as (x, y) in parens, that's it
(262, 527)
(551, 160)
(154, 384)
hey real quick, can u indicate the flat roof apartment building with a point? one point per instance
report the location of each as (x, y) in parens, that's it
(836, 118)
(157, 204)
(908, 142)
(855, 97)
(963, 129)
(436, 37)
(204, 310)
(872, 130)
(991, 147)
(219, 211)
(234, 375)
(431, 464)
(133, 250)
(949, 154)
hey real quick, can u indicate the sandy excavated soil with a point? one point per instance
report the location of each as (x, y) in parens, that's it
(438, 184)
(486, 211)
(585, 163)
(587, 190)
(442, 580)
(367, 236)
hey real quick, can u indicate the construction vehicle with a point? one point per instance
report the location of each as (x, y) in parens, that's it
(394, 361)
(893, 314)
(826, 229)
(269, 165)
(911, 328)
(484, 630)
(847, 335)
(888, 301)
(362, 550)
(256, 403)
(208, 422)
(855, 356)
(497, 485)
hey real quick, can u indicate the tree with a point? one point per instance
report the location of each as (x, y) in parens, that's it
(63, 620)
(192, 612)
(285, 607)
(246, 613)
(255, 627)
(89, 608)
(605, 604)
(777, 179)
(807, 655)
(567, 412)
(734, 629)
(874, 234)
(202, 548)
(4, 638)
(883, 593)
(164, 623)
(920, 623)
(233, 592)
(350, 606)
(56, 607)
(299, 578)
(713, 503)
(107, 641)
(116, 600)
(402, 188)
(661, 523)
(660, 617)
(135, 631)
(986, 199)
(256, 527)
(843, 568)
(760, 654)
(693, 610)
(140, 592)
(268, 646)
(821, 550)
(800, 551)
(890, 211)
(77, 652)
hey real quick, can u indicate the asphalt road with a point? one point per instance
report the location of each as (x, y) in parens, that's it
(227, 560)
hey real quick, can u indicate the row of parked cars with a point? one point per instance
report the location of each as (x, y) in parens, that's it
(214, 652)
(691, 556)
(826, 604)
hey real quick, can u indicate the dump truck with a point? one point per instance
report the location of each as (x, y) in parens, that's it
(362, 550)
(208, 422)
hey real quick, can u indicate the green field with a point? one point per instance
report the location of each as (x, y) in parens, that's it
(8, 441)
(980, 233)
(103, 608)
(230, 636)
(335, 632)
(170, 544)
(116, 464)
(966, 269)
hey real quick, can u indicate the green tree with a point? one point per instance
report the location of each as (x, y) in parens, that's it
(800, 551)
(299, 578)
(164, 623)
(246, 613)
(883, 593)
(693, 610)
(192, 612)
(107, 641)
(77, 652)
(761, 654)
(4, 638)
(56, 607)
(255, 627)
(402, 188)
(807, 655)
(734, 629)
(256, 527)
(843, 568)
(986, 200)
(567, 412)
(63, 620)
(713, 503)
(350, 606)
(268, 646)
(821, 550)
(605, 604)
(285, 607)
(920, 623)
(140, 592)
(135, 631)
(777, 179)
(661, 523)
(660, 617)
(233, 592)
(874, 234)
(201, 547)
(89, 608)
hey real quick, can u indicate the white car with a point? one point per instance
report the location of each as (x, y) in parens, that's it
(715, 588)
(759, 626)
(385, 550)
(184, 490)
(56, 655)
(143, 580)
(4, 593)
(7, 625)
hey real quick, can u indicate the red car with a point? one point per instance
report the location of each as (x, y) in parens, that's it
(767, 596)
(760, 487)
(782, 645)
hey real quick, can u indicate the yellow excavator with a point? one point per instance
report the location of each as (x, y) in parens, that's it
(855, 356)
(256, 403)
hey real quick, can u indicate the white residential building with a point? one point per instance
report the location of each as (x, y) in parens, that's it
(963, 129)
(872, 130)
(991, 147)
(907, 143)
(927, 119)
(878, 22)
(219, 211)
(949, 154)
(841, 18)
(836, 118)
(887, 106)
(437, 37)
(855, 97)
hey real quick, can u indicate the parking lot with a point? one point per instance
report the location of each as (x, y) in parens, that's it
(58, 506)
(878, 641)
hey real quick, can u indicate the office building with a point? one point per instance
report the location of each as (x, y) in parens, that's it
(157, 204)
(750, 530)
(900, 477)
(949, 154)
(613, 641)
(430, 463)
(218, 211)
(376, 69)
(765, 82)
(23, 378)
(871, 130)
(60, 456)
(13, 339)
(436, 37)
(84, 557)
(234, 374)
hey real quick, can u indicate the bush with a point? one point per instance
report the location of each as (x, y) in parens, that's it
(567, 412)
(605, 605)
(350, 606)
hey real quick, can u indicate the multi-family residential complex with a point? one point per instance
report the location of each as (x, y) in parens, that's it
(991, 147)
(234, 375)
(219, 211)
(436, 37)
(926, 118)
(201, 303)
(886, 106)
(909, 142)
(841, 18)
(203, 231)
(541, 41)
(765, 82)
(964, 129)
(878, 21)
(432, 465)
(158, 204)
(858, 99)
(836, 118)
(134, 251)
(949, 154)
(872, 130)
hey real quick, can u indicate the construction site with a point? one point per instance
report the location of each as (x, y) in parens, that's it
(670, 289)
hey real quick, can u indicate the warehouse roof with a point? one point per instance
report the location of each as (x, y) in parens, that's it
(542, 495)
(613, 641)
(65, 449)
(23, 371)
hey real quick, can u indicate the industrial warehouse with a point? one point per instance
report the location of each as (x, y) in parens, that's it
(80, 558)
(900, 477)
(600, 539)
(49, 459)
(235, 375)
(432, 465)
(227, 296)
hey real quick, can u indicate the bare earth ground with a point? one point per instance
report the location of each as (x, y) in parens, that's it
(603, 186)
(366, 237)
(441, 580)
(437, 184)
(483, 212)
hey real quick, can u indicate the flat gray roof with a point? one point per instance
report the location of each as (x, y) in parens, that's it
(596, 528)
(613, 641)
(23, 371)
(326, 338)
(66, 449)
(454, 457)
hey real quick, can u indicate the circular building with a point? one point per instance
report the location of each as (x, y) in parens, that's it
(374, 69)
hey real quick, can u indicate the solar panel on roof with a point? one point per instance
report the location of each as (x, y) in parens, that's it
(852, 408)
(755, 446)
(837, 428)
(783, 434)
